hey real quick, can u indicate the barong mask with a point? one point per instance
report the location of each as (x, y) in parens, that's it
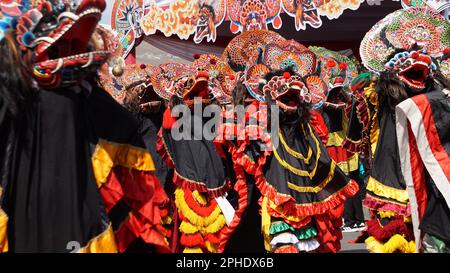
(56, 37)
(412, 68)
(287, 91)
(408, 43)
(222, 78)
(140, 94)
(195, 87)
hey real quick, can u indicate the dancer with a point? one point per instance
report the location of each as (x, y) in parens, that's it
(401, 49)
(338, 71)
(202, 178)
(75, 172)
(422, 123)
(295, 217)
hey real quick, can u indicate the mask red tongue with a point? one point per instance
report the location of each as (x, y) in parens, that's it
(85, 4)
(339, 81)
(202, 74)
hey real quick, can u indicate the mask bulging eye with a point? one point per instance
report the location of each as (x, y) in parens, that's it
(46, 25)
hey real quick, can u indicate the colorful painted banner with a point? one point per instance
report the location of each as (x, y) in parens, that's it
(439, 5)
(126, 22)
(201, 18)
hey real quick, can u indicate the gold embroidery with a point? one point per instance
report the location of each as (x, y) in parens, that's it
(319, 187)
(292, 152)
(295, 170)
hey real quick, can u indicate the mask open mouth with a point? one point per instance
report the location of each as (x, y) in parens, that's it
(290, 99)
(70, 45)
(197, 87)
(415, 75)
(149, 101)
(201, 30)
(337, 82)
(254, 22)
(312, 17)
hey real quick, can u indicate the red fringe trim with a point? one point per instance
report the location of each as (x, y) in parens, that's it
(373, 204)
(363, 115)
(319, 126)
(161, 149)
(212, 238)
(362, 110)
(286, 249)
(383, 233)
(329, 228)
(184, 182)
(191, 240)
(239, 156)
(196, 207)
(273, 213)
(288, 204)
(187, 184)
(241, 187)
(351, 146)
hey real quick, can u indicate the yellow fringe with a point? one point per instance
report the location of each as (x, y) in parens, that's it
(317, 188)
(192, 250)
(188, 228)
(3, 231)
(193, 217)
(386, 214)
(215, 227)
(211, 247)
(109, 154)
(382, 190)
(335, 139)
(200, 198)
(278, 209)
(103, 243)
(350, 165)
(374, 134)
(389, 214)
(395, 243)
(372, 96)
